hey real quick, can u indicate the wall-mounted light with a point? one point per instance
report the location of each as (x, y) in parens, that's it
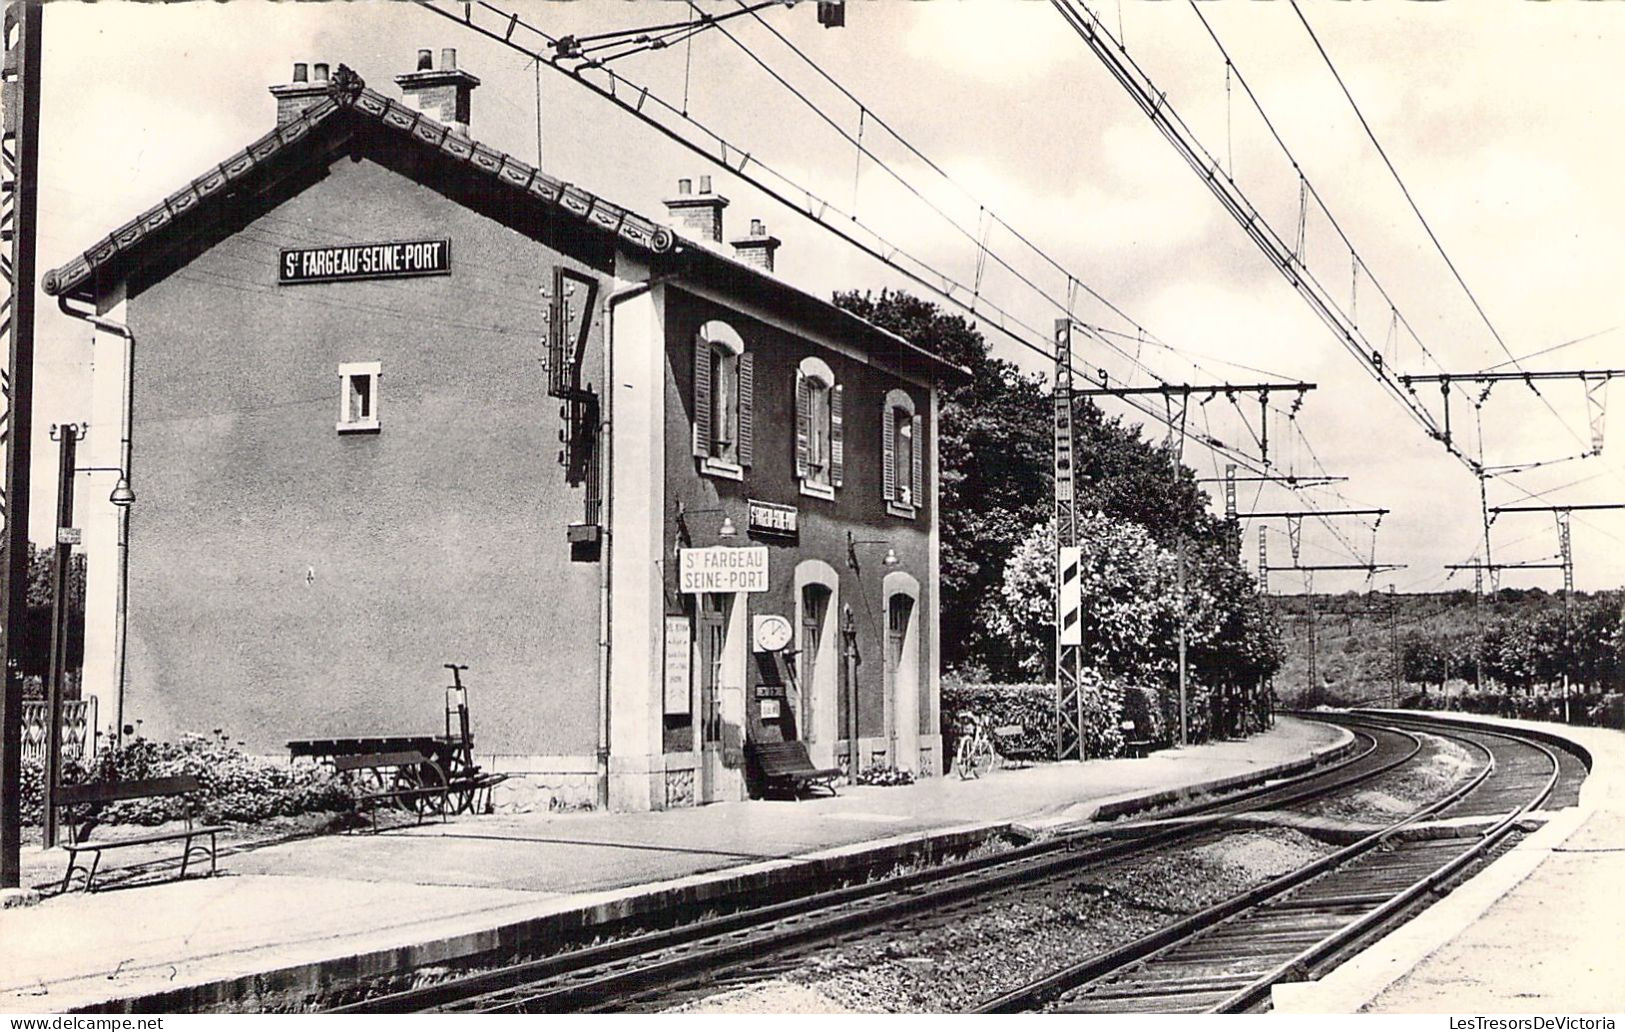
(685, 532)
(122, 496)
(853, 544)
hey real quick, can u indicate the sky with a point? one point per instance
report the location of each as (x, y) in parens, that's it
(1499, 117)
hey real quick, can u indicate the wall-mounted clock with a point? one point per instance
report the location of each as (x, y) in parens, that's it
(772, 632)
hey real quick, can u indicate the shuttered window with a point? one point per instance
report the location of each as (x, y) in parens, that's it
(724, 382)
(902, 447)
(820, 429)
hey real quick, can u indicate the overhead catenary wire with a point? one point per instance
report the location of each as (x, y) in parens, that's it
(1426, 226)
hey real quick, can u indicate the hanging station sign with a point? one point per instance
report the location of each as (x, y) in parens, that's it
(722, 569)
(364, 261)
(772, 519)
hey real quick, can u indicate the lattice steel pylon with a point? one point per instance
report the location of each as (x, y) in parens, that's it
(19, 194)
(1069, 723)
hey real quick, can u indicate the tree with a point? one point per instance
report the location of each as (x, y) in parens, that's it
(995, 464)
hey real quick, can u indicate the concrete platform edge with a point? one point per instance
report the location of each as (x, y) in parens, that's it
(284, 985)
(1362, 978)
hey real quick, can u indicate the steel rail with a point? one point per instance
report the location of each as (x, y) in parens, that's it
(952, 881)
(1253, 994)
(1040, 991)
(1388, 905)
(824, 920)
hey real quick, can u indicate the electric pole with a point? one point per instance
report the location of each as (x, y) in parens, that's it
(1177, 397)
(19, 206)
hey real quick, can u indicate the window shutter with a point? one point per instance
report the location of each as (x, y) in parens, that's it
(917, 474)
(702, 397)
(837, 445)
(888, 449)
(746, 390)
(803, 421)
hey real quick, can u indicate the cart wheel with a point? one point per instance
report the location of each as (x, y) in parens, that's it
(413, 780)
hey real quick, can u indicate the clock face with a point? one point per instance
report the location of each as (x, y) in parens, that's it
(772, 632)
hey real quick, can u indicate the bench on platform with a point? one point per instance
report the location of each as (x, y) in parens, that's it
(406, 779)
(1138, 748)
(113, 791)
(1007, 740)
(785, 766)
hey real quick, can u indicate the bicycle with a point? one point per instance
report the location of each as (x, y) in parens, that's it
(975, 754)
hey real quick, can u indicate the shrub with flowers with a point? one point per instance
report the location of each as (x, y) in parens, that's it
(237, 788)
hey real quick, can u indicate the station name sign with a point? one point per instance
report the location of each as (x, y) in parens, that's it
(365, 261)
(722, 569)
(770, 518)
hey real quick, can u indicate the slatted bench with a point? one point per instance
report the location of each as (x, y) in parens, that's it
(1007, 740)
(785, 766)
(113, 791)
(406, 779)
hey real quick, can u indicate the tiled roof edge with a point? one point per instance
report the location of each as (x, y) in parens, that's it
(513, 173)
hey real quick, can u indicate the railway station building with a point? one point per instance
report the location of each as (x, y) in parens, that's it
(399, 399)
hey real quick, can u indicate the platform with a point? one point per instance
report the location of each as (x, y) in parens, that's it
(288, 918)
(1536, 932)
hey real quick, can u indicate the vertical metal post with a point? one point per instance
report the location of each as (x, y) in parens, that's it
(1393, 649)
(61, 563)
(849, 654)
(1069, 716)
(1565, 548)
(1478, 618)
(1184, 693)
(19, 155)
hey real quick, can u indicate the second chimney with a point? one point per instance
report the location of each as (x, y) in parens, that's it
(292, 98)
(757, 248)
(699, 213)
(441, 93)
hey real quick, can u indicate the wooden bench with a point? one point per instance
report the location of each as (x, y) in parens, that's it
(1137, 748)
(113, 791)
(786, 766)
(406, 779)
(1007, 741)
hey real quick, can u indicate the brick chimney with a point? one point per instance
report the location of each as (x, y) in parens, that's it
(699, 213)
(757, 248)
(441, 93)
(292, 98)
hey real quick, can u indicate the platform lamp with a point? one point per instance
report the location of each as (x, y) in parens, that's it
(685, 534)
(122, 497)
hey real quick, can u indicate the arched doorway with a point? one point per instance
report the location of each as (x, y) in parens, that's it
(902, 595)
(818, 659)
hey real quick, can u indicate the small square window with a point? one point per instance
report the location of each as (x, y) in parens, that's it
(358, 397)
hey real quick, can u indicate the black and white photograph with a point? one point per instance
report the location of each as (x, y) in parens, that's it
(812, 507)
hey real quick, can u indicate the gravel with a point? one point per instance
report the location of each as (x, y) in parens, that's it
(1444, 765)
(948, 961)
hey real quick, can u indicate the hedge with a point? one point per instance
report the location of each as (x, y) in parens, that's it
(1032, 706)
(237, 788)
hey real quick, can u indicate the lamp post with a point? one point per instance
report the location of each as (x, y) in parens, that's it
(69, 434)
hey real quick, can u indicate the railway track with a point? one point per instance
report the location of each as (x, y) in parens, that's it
(757, 942)
(1226, 958)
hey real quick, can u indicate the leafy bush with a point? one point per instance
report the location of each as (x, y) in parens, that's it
(1587, 708)
(1032, 706)
(885, 774)
(1144, 706)
(237, 788)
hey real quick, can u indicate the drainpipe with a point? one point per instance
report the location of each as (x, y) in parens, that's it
(611, 300)
(122, 595)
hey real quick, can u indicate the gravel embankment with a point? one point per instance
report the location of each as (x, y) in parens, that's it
(951, 963)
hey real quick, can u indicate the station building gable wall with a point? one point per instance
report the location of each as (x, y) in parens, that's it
(290, 581)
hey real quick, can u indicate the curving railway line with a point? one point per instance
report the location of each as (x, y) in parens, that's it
(1223, 958)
